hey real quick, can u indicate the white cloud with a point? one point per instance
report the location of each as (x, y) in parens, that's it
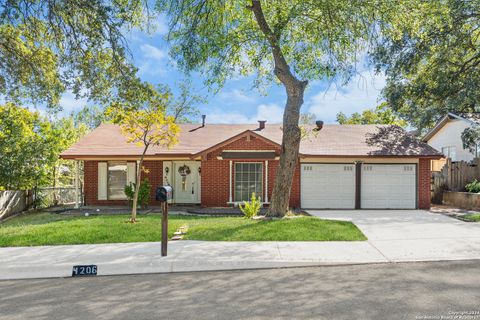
(152, 52)
(154, 60)
(363, 92)
(236, 95)
(270, 112)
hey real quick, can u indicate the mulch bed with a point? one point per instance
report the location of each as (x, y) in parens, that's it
(221, 211)
(232, 211)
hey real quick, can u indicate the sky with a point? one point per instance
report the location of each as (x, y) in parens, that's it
(237, 101)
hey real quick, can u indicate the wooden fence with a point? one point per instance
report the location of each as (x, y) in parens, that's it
(453, 177)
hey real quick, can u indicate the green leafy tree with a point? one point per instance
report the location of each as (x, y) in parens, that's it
(26, 141)
(65, 132)
(184, 106)
(276, 41)
(431, 55)
(91, 116)
(471, 139)
(48, 47)
(30, 146)
(382, 114)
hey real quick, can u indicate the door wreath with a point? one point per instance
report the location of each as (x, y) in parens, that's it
(184, 171)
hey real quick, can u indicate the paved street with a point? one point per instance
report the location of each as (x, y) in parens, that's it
(379, 291)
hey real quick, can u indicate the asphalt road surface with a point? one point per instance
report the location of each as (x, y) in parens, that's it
(385, 291)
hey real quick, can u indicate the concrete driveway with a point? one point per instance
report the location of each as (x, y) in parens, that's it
(413, 235)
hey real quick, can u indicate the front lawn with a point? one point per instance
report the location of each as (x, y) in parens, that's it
(53, 229)
(474, 217)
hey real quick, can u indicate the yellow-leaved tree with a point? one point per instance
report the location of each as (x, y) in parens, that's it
(148, 126)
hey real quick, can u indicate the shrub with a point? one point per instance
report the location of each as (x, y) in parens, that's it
(251, 208)
(473, 186)
(143, 193)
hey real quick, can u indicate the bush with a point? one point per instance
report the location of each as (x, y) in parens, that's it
(473, 186)
(252, 208)
(143, 193)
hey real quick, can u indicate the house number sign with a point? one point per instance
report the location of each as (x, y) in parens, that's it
(82, 271)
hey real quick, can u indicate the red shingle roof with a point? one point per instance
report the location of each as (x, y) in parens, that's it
(332, 140)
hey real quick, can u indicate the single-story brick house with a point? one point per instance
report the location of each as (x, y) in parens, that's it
(219, 165)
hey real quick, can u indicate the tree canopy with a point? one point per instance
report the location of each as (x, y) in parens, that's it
(382, 114)
(471, 139)
(50, 46)
(431, 56)
(222, 39)
(30, 145)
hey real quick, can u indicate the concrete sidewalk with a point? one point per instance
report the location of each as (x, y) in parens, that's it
(137, 258)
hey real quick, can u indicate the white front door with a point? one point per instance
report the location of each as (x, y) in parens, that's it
(388, 186)
(327, 186)
(186, 181)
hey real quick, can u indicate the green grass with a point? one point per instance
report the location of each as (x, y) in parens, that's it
(53, 229)
(475, 217)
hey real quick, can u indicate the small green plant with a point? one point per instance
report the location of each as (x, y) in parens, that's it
(251, 208)
(143, 193)
(473, 186)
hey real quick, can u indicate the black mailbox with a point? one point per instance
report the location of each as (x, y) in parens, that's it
(164, 193)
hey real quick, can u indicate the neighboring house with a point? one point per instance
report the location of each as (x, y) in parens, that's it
(219, 165)
(446, 136)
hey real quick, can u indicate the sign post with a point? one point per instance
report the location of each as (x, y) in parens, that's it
(164, 194)
(164, 228)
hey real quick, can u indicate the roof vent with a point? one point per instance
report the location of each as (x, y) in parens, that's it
(261, 124)
(319, 124)
(203, 119)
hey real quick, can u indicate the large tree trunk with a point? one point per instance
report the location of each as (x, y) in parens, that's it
(282, 187)
(295, 89)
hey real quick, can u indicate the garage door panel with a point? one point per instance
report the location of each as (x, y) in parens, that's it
(388, 187)
(328, 186)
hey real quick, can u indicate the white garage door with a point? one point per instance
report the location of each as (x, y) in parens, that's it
(388, 186)
(328, 186)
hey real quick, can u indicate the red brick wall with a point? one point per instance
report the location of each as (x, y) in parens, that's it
(215, 173)
(154, 175)
(424, 184)
(215, 178)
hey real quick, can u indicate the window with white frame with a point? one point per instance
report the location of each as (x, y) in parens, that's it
(117, 180)
(248, 180)
(450, 152)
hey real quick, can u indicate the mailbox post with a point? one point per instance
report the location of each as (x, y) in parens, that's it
(163, 194)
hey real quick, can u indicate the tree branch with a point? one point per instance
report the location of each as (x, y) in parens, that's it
(282, 69)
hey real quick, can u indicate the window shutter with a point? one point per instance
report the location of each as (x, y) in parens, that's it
(102, 181)
(131, 172)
